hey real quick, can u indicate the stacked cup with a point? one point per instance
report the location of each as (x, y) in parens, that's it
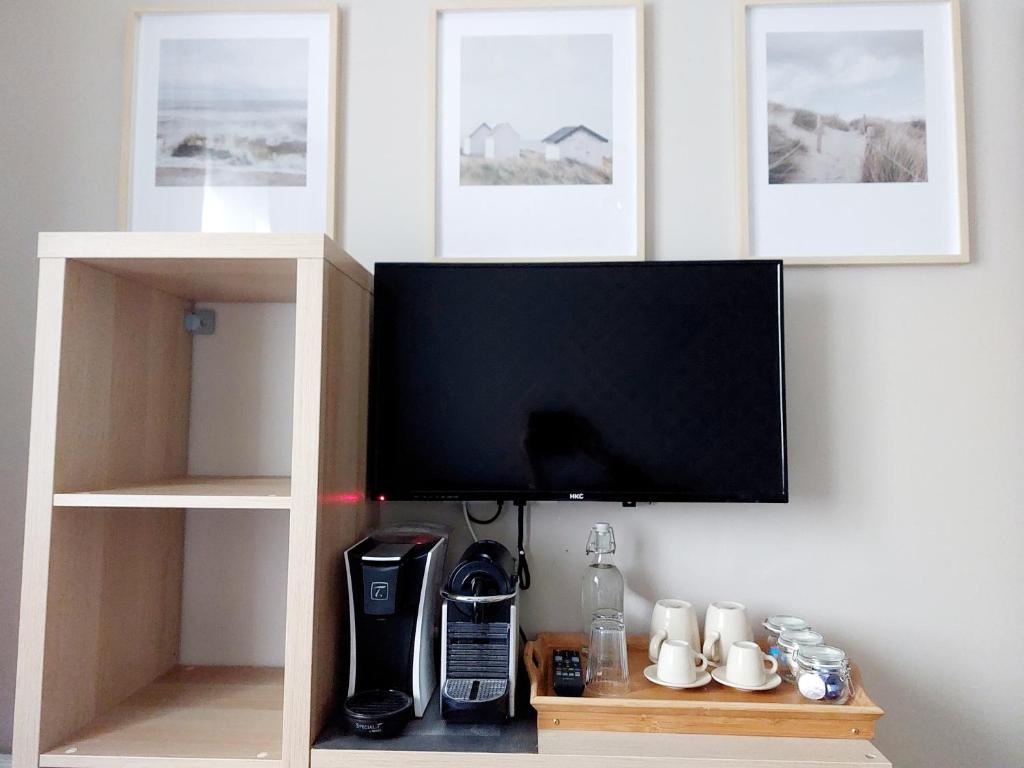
(675, 647)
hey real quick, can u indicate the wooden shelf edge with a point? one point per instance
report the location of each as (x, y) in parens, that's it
(771, 750)
(341, 758)
(49, 760)
(198, 492)
(343, 261)
(182, 245)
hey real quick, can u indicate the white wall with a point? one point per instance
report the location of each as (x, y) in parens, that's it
(234, 592)
(905, 535)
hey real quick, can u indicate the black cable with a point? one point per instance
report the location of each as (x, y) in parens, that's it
(489, 520)
(522, 567)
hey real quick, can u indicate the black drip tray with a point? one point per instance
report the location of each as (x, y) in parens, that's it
(431, 733)
(378, 714)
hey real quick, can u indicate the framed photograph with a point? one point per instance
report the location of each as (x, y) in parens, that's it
(539, 131)
(852, 131)
(230, 120)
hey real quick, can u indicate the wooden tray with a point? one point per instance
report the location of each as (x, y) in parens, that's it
(713, 709)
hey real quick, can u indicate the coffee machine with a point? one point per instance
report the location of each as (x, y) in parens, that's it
(480, 636)
(394, 583)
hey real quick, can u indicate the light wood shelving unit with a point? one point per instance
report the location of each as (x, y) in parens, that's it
(99, 679)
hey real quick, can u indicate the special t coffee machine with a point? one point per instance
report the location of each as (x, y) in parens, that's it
(480, 635)
(394, 584)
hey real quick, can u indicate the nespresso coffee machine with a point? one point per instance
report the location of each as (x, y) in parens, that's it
(394, 583)
(480, 636)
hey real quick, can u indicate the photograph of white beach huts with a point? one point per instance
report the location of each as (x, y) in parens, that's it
(536, 110)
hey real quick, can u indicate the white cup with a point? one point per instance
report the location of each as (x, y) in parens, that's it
(679, 663)
(746, 665)
(672, 620)
(725, 623)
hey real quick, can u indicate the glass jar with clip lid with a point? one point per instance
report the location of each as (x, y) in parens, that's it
(824, 674)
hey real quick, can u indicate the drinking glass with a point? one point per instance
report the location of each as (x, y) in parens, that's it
(607, 664)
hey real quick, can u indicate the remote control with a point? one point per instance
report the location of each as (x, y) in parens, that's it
(567, 673)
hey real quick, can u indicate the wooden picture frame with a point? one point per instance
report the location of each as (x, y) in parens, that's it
(637, 249)
(953, 128)
(329, 154)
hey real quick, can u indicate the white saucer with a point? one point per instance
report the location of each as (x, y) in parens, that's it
(651, 673)
(773, 681)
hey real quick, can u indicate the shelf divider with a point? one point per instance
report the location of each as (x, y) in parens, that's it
(195, 492)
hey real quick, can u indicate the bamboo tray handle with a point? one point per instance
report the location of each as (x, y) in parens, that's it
(533, 665)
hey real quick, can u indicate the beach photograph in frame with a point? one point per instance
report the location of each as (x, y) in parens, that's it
(232, 113)
(536, 109)
(853, 139)
(232, 121)
(538, 146)
(846, 107)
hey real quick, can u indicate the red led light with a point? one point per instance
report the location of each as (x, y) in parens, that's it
(343, 497)
(381, 498)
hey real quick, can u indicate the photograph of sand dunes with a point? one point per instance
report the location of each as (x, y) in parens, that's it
(846, 107)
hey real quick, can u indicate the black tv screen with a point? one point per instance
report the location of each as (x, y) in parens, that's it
(660, 381)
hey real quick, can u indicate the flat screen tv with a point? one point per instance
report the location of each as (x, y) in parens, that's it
(630, 382)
